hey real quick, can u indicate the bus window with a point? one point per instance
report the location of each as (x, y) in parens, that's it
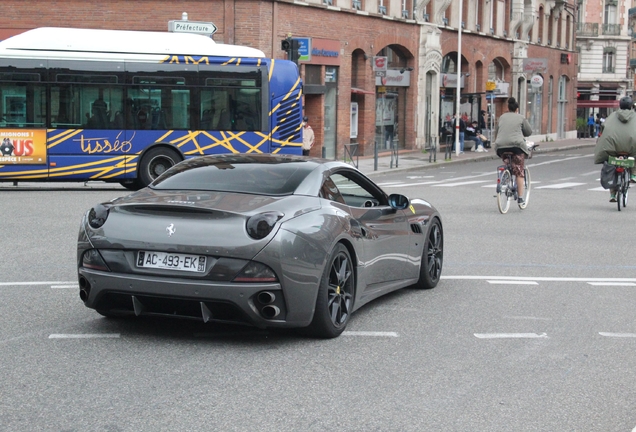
(22, 101)
(232, 103)
(86, 101)
(161, 102)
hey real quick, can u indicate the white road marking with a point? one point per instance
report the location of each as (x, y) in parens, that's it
(370, 333)
(560, 185)
(528, 318)
(600, 189)
(557, 161)
(34, 283)
(618, 335)
(512, 282)
(65, 286)
(412, 184)
(84, 336)
(548, 279)
(461, 183)
(589, 173)
(511, 336)
(612, 283)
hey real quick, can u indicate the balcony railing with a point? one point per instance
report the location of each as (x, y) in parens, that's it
(587, 29)
(611, 29)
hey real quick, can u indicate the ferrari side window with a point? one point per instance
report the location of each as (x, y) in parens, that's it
(353, 193)
(330, 191)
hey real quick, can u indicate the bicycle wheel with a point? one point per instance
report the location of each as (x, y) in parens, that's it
(505, 192)
(526, 188)
(619, 190)
(626, 188)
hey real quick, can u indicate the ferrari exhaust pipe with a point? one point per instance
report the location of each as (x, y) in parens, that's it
(270, 311)
(85, 288)
(266, 297)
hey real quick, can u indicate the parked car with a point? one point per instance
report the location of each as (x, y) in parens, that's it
(272, 241)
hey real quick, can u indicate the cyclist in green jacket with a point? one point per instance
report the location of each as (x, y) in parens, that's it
(618, 136)
(512, 128)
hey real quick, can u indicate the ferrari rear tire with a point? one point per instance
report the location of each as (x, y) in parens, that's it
(432, 257)
(335, 296)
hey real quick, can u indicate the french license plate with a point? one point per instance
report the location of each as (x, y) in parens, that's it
(172, 261)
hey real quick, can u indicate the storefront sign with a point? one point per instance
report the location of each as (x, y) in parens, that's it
(531, 65)
(501, 89)
(324, 52)
(450, 80)
(304, 49)
(536, 81)
(23, 146)
(394, 78)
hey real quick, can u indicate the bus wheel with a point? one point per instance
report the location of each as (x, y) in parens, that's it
(154, 163)
(132, 185)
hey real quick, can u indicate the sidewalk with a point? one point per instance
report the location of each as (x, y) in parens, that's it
(410, 160)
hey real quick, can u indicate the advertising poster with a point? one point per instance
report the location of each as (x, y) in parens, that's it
(23, 146)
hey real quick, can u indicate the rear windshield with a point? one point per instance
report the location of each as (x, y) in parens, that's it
(262, 175)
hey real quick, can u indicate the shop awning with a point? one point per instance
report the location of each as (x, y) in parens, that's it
(597, 103)
(360, 91)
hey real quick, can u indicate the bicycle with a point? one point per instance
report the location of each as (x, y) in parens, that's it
(507, 182)
(623, 173)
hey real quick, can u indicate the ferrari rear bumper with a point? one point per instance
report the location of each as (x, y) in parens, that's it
(258, 304)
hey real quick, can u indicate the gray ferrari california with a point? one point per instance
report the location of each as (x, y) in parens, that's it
(266, 240)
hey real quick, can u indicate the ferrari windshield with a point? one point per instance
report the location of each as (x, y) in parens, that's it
(259, 174)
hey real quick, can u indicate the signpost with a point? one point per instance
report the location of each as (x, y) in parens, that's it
(380, 68)
(185, 26)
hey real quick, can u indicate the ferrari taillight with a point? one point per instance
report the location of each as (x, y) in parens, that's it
(97, 216)
(259, 226)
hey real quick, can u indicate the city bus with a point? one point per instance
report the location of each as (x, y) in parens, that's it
(124, 106)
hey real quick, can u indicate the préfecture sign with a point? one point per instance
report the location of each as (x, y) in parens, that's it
(206, 28)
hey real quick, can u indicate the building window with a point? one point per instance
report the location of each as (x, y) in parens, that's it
(609, 60)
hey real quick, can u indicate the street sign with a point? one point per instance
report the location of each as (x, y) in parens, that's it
(491, 85)
(380, 73)
(380, 63)
(184, 26)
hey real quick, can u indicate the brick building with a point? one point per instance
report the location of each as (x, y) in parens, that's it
(505, 43)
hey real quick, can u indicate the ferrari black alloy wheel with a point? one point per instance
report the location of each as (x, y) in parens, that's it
(432, 257)
(335, 296)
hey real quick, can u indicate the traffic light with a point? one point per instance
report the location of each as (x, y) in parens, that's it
(291, 47)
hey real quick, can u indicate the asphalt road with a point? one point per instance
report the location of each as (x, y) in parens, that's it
(531, 328)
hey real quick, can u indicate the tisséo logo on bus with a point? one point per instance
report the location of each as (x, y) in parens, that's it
(24, 146)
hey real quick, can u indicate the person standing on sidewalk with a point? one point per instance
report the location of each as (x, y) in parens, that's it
(591, 125)
(308, 137)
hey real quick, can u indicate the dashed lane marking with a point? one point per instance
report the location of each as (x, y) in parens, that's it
(512, 282)
(612, 283)
(370, 333)
(70, 286)
(618, 335)
(560, 185)
(85, 336)
(460, 183)
(511, 336)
